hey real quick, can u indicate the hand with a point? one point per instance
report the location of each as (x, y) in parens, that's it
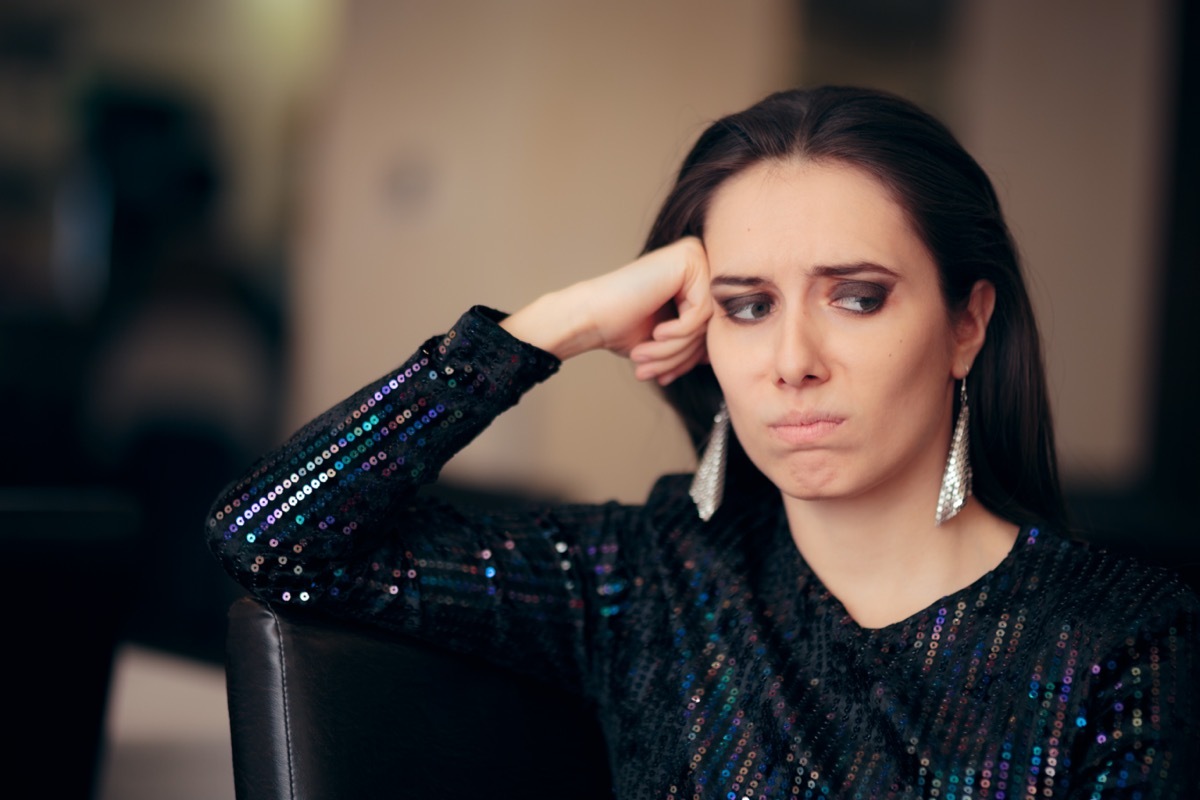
(654, 310)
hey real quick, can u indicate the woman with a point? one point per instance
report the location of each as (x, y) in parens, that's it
(872, 595)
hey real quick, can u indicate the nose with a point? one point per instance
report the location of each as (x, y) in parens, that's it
(798, 350)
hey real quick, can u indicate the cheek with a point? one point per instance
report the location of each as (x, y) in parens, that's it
(720, 357)
(736, 360)
(905, 374)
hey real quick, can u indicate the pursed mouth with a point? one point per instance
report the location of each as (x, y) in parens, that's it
(805, 428)
(807, 418)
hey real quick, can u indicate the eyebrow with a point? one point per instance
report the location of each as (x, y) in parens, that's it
(823, 271)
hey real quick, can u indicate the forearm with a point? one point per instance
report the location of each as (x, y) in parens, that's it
(328, 491)
(341, 531)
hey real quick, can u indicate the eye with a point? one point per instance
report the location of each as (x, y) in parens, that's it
(747, 309)
(859, 297)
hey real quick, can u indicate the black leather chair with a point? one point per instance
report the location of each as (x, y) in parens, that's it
(323, 710)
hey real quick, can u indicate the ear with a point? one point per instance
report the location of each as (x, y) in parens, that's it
(970, 327)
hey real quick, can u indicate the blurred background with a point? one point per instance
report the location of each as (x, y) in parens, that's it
(218, 217)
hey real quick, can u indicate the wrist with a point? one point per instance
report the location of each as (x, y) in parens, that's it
(555, 322)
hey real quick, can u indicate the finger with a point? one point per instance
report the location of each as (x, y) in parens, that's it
(695, 288)
(674, 328)
(651, 351)
(676, 362)
(692, 322)
(687, 366)
(667, 361)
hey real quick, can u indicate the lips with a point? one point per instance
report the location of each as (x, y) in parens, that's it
(805, 428)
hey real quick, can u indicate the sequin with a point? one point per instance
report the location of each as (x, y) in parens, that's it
(720, 665)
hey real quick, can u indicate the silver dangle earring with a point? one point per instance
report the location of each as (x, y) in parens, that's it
(708, 487)
(956, 482)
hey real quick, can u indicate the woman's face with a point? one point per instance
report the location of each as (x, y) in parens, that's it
(830, 337)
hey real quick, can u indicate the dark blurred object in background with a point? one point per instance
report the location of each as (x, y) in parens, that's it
(67, 558)
(184, 361)
(140, 367)
(134, 354)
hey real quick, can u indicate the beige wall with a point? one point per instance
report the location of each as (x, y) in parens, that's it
(1063, 104)
(482, 152)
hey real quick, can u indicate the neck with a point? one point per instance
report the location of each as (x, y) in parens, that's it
(883, 557)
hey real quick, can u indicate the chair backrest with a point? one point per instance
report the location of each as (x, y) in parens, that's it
(323, 709)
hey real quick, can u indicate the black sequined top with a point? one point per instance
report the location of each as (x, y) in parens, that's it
(718, 663)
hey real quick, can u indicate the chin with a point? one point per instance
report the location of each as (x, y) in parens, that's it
(809, 493)
(809, 483)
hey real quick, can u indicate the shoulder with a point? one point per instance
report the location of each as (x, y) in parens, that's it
(741, 528)
(670, 505)
(669, 509)
(670, 494)
(1112, 595)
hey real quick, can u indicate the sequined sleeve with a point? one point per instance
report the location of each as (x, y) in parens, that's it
(331, 519)
(1136, 735)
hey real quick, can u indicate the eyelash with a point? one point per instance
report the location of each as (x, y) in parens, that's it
(872, 295)
(736, 305)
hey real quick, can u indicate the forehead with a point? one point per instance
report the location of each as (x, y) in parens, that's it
(805, 213)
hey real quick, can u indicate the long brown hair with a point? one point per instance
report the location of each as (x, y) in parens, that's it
(954, 209)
